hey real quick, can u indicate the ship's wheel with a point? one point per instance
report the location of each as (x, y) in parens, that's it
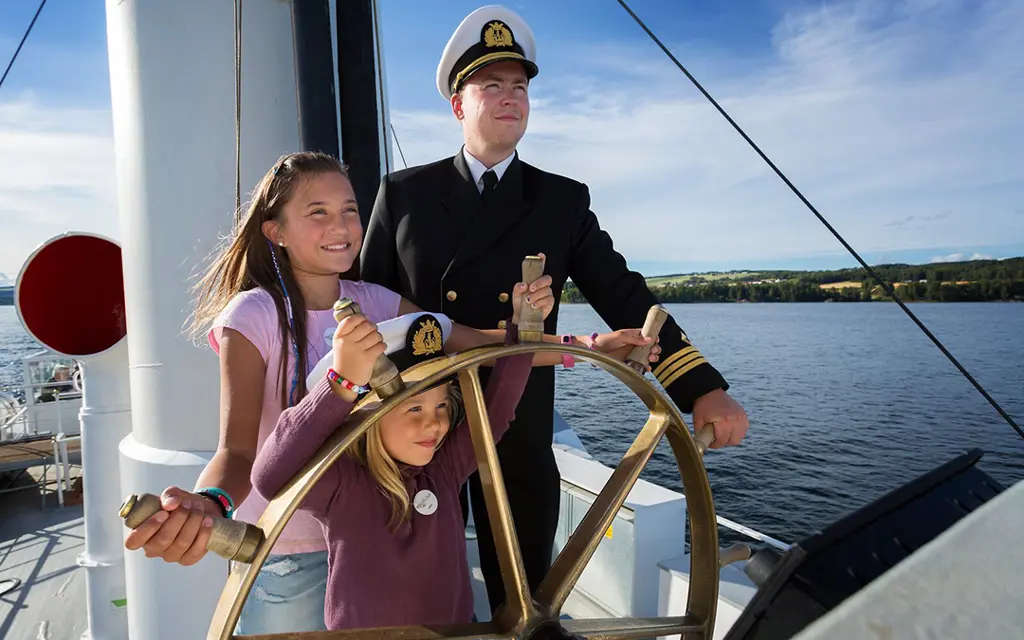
(524, 615)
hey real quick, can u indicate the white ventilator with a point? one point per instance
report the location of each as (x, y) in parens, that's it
(394, 332)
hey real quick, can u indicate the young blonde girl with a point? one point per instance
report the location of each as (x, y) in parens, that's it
(390, 509)
(265, 306)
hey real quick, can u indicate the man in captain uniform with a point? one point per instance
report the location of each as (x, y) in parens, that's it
(450, 237)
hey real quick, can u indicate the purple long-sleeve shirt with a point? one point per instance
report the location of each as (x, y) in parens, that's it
(417, 574)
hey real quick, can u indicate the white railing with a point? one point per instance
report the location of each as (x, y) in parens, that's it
(28, 419)
(62, 464)
(752, 533)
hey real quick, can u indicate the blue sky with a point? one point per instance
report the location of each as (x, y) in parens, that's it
(899, 120)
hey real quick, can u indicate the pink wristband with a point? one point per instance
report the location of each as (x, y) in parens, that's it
(567, 360)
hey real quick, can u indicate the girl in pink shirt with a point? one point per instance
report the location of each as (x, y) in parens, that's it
(265, 306)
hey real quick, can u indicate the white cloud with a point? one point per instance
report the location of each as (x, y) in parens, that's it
(56, 175)
(900, 123)
(960, 257)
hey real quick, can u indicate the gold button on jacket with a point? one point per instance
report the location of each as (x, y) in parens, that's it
(451, 296)
(503, 297)
(502, 324)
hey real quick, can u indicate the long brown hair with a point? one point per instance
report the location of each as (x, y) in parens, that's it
(248, 260)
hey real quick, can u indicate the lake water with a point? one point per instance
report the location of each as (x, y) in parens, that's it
(846, 401)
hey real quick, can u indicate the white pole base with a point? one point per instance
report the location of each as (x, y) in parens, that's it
(105, 419)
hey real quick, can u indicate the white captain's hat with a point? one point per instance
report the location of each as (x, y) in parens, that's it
(488, 35)
(410, 340)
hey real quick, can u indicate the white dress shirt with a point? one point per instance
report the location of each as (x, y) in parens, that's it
(477, 168)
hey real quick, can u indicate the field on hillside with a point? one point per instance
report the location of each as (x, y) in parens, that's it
(841, 285)
(698, 278)
(897, 285)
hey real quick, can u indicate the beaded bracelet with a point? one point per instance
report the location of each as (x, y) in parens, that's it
(592, 345)
(357, 389)
(220, 497)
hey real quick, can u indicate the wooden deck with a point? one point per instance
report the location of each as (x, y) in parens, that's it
(18, 457)
(24, 454)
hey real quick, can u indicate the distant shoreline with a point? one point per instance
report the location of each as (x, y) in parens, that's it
(970, 281)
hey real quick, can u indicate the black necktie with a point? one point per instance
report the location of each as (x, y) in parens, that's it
(490, 181)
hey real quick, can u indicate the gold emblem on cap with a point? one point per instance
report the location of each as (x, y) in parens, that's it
(427, 339)
(498, 35)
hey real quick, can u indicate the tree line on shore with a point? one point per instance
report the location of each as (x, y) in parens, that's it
(971, 281)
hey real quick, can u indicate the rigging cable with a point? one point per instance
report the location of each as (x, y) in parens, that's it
(238, 111)
(398, 144)
(20, 44)
(871, 272)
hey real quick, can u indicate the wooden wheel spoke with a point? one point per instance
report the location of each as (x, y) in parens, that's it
(446, 632)
(518, 603)
(624, 628)
(580, 548)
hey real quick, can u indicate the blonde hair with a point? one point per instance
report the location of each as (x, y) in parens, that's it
(369, 451)
(249, 260)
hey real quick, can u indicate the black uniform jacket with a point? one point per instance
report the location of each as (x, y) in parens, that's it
(429, 239)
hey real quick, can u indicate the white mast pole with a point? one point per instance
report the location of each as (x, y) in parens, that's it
(172, 97)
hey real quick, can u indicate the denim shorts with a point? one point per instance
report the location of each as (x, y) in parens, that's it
(288, 595)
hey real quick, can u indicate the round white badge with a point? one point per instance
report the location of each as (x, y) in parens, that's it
(425, 502)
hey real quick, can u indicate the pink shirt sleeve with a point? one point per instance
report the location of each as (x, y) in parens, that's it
(251, 313)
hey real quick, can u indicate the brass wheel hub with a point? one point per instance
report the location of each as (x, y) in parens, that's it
(524, 615)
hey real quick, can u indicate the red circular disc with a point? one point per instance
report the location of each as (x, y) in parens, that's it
(70, 295)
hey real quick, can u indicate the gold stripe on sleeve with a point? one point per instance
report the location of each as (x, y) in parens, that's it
(667, 362)
(678, 364)
(681, 372)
